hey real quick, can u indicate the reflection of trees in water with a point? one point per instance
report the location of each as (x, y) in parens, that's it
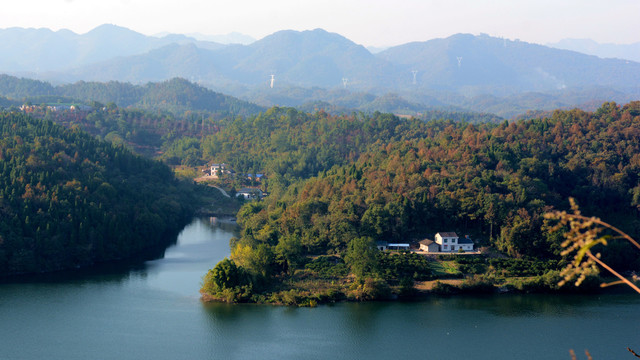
(228, 224)
(122, 270)
(108, 272)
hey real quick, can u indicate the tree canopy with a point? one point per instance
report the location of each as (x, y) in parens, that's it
(68, 199)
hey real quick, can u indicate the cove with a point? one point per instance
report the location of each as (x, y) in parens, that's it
(150, 309)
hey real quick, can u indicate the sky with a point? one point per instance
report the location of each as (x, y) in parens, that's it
(366, 22)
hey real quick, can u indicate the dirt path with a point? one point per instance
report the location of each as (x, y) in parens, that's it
(222, 191)
(428, 285)
(206, 178)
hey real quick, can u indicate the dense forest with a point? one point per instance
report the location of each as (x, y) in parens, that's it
(176, 95)
(412, 179)
(147, 133)
(70, 200)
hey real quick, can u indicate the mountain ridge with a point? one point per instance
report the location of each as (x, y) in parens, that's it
(453, 71)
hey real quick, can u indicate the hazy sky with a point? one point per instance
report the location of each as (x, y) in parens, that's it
(367, 22)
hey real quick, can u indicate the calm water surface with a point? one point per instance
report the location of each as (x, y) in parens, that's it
(152, 310)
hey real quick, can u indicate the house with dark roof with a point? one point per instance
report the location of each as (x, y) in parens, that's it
(451, 242)
(447, 242)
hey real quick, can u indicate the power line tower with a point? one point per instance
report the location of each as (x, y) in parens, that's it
(459, 61)
(345, 81)
(414, 72)
(273, 79)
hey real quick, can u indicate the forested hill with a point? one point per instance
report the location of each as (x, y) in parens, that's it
(176, 95)
(493, 181)
(291, 145)
(68, 200)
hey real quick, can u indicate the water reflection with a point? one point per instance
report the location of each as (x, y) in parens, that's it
(191, 246)
(149, 308)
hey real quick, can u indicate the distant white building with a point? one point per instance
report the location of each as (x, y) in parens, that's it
(450, 242)
(250, 193)
(447, 242)
(398, 246)
(219, 169)
(383, 245)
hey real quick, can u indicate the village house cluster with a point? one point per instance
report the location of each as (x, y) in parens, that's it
(445, 242)
(216, 171)
(53, 107)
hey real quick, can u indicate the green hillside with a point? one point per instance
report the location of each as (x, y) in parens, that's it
(493, 181)
(69, 200)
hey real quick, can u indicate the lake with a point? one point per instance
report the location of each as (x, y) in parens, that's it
(151, 310)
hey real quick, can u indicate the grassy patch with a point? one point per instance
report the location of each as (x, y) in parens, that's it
(445, 269)
(186, 172)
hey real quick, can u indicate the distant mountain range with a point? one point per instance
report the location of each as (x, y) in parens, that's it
(43, 50)
(478, 73)
(588, 46)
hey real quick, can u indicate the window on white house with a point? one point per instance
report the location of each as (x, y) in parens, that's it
(445, 240)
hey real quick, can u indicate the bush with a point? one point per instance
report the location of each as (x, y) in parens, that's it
(328, 266)
(441, 288)
(227, 282)
(370, 289)
(478, 284)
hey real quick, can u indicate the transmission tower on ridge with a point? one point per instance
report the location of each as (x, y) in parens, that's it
(345, 81)
(459, 61)
(414, 72)
(273, 78)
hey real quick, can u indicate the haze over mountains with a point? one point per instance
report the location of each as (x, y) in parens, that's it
(588, 46)
(479, 73)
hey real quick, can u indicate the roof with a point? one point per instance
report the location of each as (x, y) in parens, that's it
(427, 242)
(399, 245)
(465, 240)
(448, 234)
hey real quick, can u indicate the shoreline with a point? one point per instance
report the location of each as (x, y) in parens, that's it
(420, 291)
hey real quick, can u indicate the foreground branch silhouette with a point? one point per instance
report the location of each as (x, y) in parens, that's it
(583, 234)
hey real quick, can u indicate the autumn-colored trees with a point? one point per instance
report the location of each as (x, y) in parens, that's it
(407, 179)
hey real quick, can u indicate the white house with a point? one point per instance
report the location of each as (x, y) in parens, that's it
(450, 242)
(219, 169)
(447, 242)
